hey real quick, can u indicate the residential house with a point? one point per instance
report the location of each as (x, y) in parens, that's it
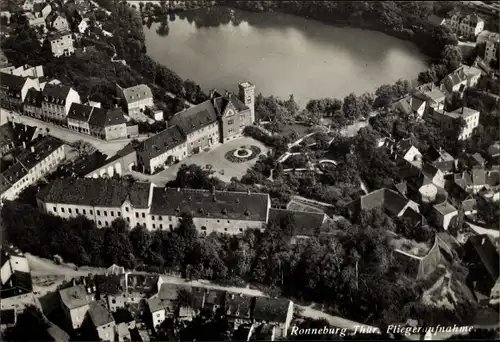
(411, 105)
(29, 5)
(58, 22)
(57, 101)
(440, 159)
(79, 116)
(468, 25)
(39, 15)
(492, 43)
(407, 151)
(161, 150)
(435, 20)
(494, 150)
(13, 135)
(13, 90)
(33, 103)
(482, 258)
(274, 311)
(135, 99)
(461, 78)
(238, 308)
(125, 322)
(110, 288)
(44, 155)
(110, 126)
(443, 214)
(208, 300)
(172, 301)
(83, 25)
(448, 121)
(15, 271)
(140, 286)
(477, 160)
(75, 305)
(263, 332)
(472, 181)
(460, 198)
(432, 95)
(62, 44)
(388, 200)
(102, 321)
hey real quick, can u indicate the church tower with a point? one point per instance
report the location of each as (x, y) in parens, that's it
(247, 96)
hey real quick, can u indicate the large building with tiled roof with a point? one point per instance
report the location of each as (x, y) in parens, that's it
(104, 200)
(16, 277)
(468, 25)
(461, 78)
(447, 121)
(62, 44)
(219, 119)
(43, 156)
(135, 99)
(13, 135)
(57, 100)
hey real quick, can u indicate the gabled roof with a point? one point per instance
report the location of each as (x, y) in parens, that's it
(162, 142)
(306, 223)
(33, 98)
(220, 103)
(16, 133)
(227, 205)
(170, 291)
(271, 309)
(195, 118)
(55, 93)
(478, 176)
(435, 20)
(83, 113)
(137, 93)
(445, 208)
(12, 82)
(107, 118)
(386, 199)
(238, 305)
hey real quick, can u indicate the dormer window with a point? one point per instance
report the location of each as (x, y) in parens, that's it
(228, 311)
(237, 313)
(224, 211)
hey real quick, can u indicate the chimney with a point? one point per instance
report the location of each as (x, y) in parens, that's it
(462, 110)
(178, 189)
(24, 144)
(25, 128)
(213, 190)
(227, 94)
(248, 192)
(483, 240)
(32, 149)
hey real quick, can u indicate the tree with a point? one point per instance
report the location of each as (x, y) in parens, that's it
(117, 245)
(351, 107)
(31, 325)
(195, 177)
(385, 95)
(141, 242)
(451, 57)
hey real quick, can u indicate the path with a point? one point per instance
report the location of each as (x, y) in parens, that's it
(107, 147)
(480, 230)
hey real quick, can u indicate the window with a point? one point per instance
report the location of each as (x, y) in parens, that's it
(99, 223)
(77, 212)
(170, 218)
(225, 229)
(218, 221)
(161, 226)
(154, 226)
(230, 130)
(143, 215)
(105, 213)
(113, 301)
(98, 212)
(126, 209)
(160, 218)
(55, 209)
(128, 219)
(153, 217)
(91, 212)
(203, 228)
(84, 212)
(171, 227)
(106, 223)
(241, 229)
(112, 213)
(228, 221)
(119, 214)
(136, 214)
(230, 122)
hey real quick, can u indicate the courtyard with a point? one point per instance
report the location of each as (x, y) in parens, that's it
(216, 157)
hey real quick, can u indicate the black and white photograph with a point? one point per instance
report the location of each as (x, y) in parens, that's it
(249, 170)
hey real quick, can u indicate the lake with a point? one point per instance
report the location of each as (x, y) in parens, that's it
(281, 54)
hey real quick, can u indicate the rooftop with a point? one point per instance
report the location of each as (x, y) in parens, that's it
(99, 314)
(195, 118)
(487, 252)
(162, 142)
(214, 204)
(55, 93)
(137, 93)
(12, 82)
(238, 305)
(107, 118)
(16, 133)
(74, 297)
(305, 223)
(271, 309)
(386, 199)
(445, 208)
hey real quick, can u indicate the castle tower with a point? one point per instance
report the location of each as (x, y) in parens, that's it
(247, 96)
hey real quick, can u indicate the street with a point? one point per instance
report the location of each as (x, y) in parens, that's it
(107, 147)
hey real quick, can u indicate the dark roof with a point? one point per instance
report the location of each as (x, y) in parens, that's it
(487, 252)
(74, 297)
(8, 316)
(238, 304)
(87, 191)
(122, 316)
(42, 148)
(86, 164)
(12, 175)
(170, 292)
(16, 133)
(99, 314)
(33, 98)
(162, 142)
(110, 284)
(39, 6)
(12, 82)
(435, 20)
(306, 223)
(204, 203)
(55, 93)
(478, 158)
(139, 194)
(386, 199)
(271, 309)
(195, 118)
(414, 217)
(108, 118)
(429, 170)
(478, 176)
(220, 103)
(456, 192)
(83, 113)
(147, 283)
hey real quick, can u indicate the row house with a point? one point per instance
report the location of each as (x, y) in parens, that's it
(460, 79)
(58, 22)
(13, 90)
(62, 44)
(42, 157)
(154, 207)
(33, 103)
(57, 100)
(24, 71)
(98, 122)
(468, 25)
(15, 135)
(15, 270)
(135, 99)
(492, 48)
(39, 14)
(448, 120)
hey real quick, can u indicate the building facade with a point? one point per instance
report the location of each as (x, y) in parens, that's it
(135, 99)
(154, 207)
(33, 103)
(62, 44)
(469, 25)
(448, 120)
(13, 90)
(57, 101)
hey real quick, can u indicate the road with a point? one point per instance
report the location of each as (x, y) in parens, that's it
(44, 267)
(107, 147)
